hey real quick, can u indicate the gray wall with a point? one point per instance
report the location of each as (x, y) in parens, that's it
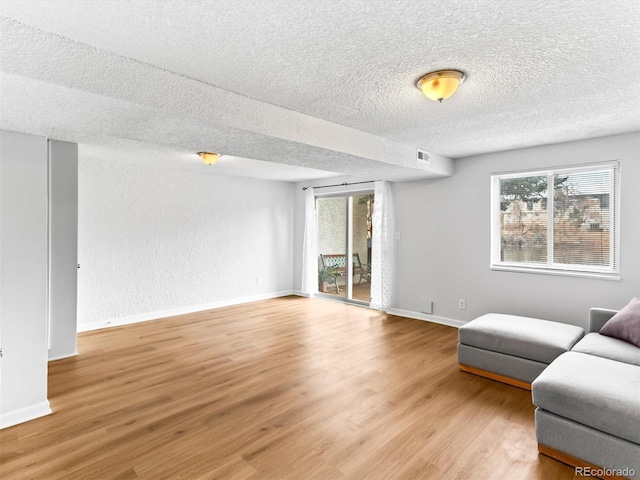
(63, 248)
(444, 250)
(23, 277)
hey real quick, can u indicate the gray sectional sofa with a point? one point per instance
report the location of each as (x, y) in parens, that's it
(586, 387)
(588, 404)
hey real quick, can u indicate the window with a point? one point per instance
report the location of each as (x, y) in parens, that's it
(563, 220)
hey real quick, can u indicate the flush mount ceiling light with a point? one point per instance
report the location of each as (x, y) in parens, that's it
(209, 157)
(441, 84)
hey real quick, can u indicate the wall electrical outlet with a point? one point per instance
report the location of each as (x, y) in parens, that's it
(257, 280)
(462, 304)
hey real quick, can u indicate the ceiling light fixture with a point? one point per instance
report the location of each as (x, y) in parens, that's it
(209, 158)
(441, 84)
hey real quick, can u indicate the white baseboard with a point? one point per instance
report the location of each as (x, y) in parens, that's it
(24, 414)
(144, 317)
(394, 311)
(427, 318)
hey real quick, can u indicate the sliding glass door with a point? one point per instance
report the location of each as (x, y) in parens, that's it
(344, 231)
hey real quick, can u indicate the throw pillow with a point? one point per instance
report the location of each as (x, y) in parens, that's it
(625, 324)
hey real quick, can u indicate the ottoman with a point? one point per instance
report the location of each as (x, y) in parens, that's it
(513, 349)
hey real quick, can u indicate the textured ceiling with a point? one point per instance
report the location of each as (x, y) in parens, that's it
(327, 85)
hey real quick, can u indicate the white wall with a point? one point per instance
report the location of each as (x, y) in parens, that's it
(443, 253)
(23, 278)
(156, 241)
(332, 225)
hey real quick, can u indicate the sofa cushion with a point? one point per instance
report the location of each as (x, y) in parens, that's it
(598, 392)
(608, 347)
(625, 324)
(530, 338)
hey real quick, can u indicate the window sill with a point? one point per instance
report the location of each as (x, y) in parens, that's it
(558, 272)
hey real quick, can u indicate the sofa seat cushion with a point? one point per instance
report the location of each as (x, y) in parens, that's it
(597, 392)
(608, 347)
(524, 337)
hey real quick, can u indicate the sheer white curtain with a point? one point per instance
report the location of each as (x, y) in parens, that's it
(310, 246)
(382, 247)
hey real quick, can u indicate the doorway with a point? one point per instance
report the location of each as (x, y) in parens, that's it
(344, 231)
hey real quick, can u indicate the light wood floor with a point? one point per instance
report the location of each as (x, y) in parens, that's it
(286, 388)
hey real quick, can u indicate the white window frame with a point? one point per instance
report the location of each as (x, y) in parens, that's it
(552, 268)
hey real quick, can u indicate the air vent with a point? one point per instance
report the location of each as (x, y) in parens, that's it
(423, 156)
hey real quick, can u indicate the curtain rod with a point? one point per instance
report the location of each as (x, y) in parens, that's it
(342, 184)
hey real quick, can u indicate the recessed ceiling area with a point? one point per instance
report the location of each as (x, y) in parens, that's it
(324, 86)
(161, 157)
